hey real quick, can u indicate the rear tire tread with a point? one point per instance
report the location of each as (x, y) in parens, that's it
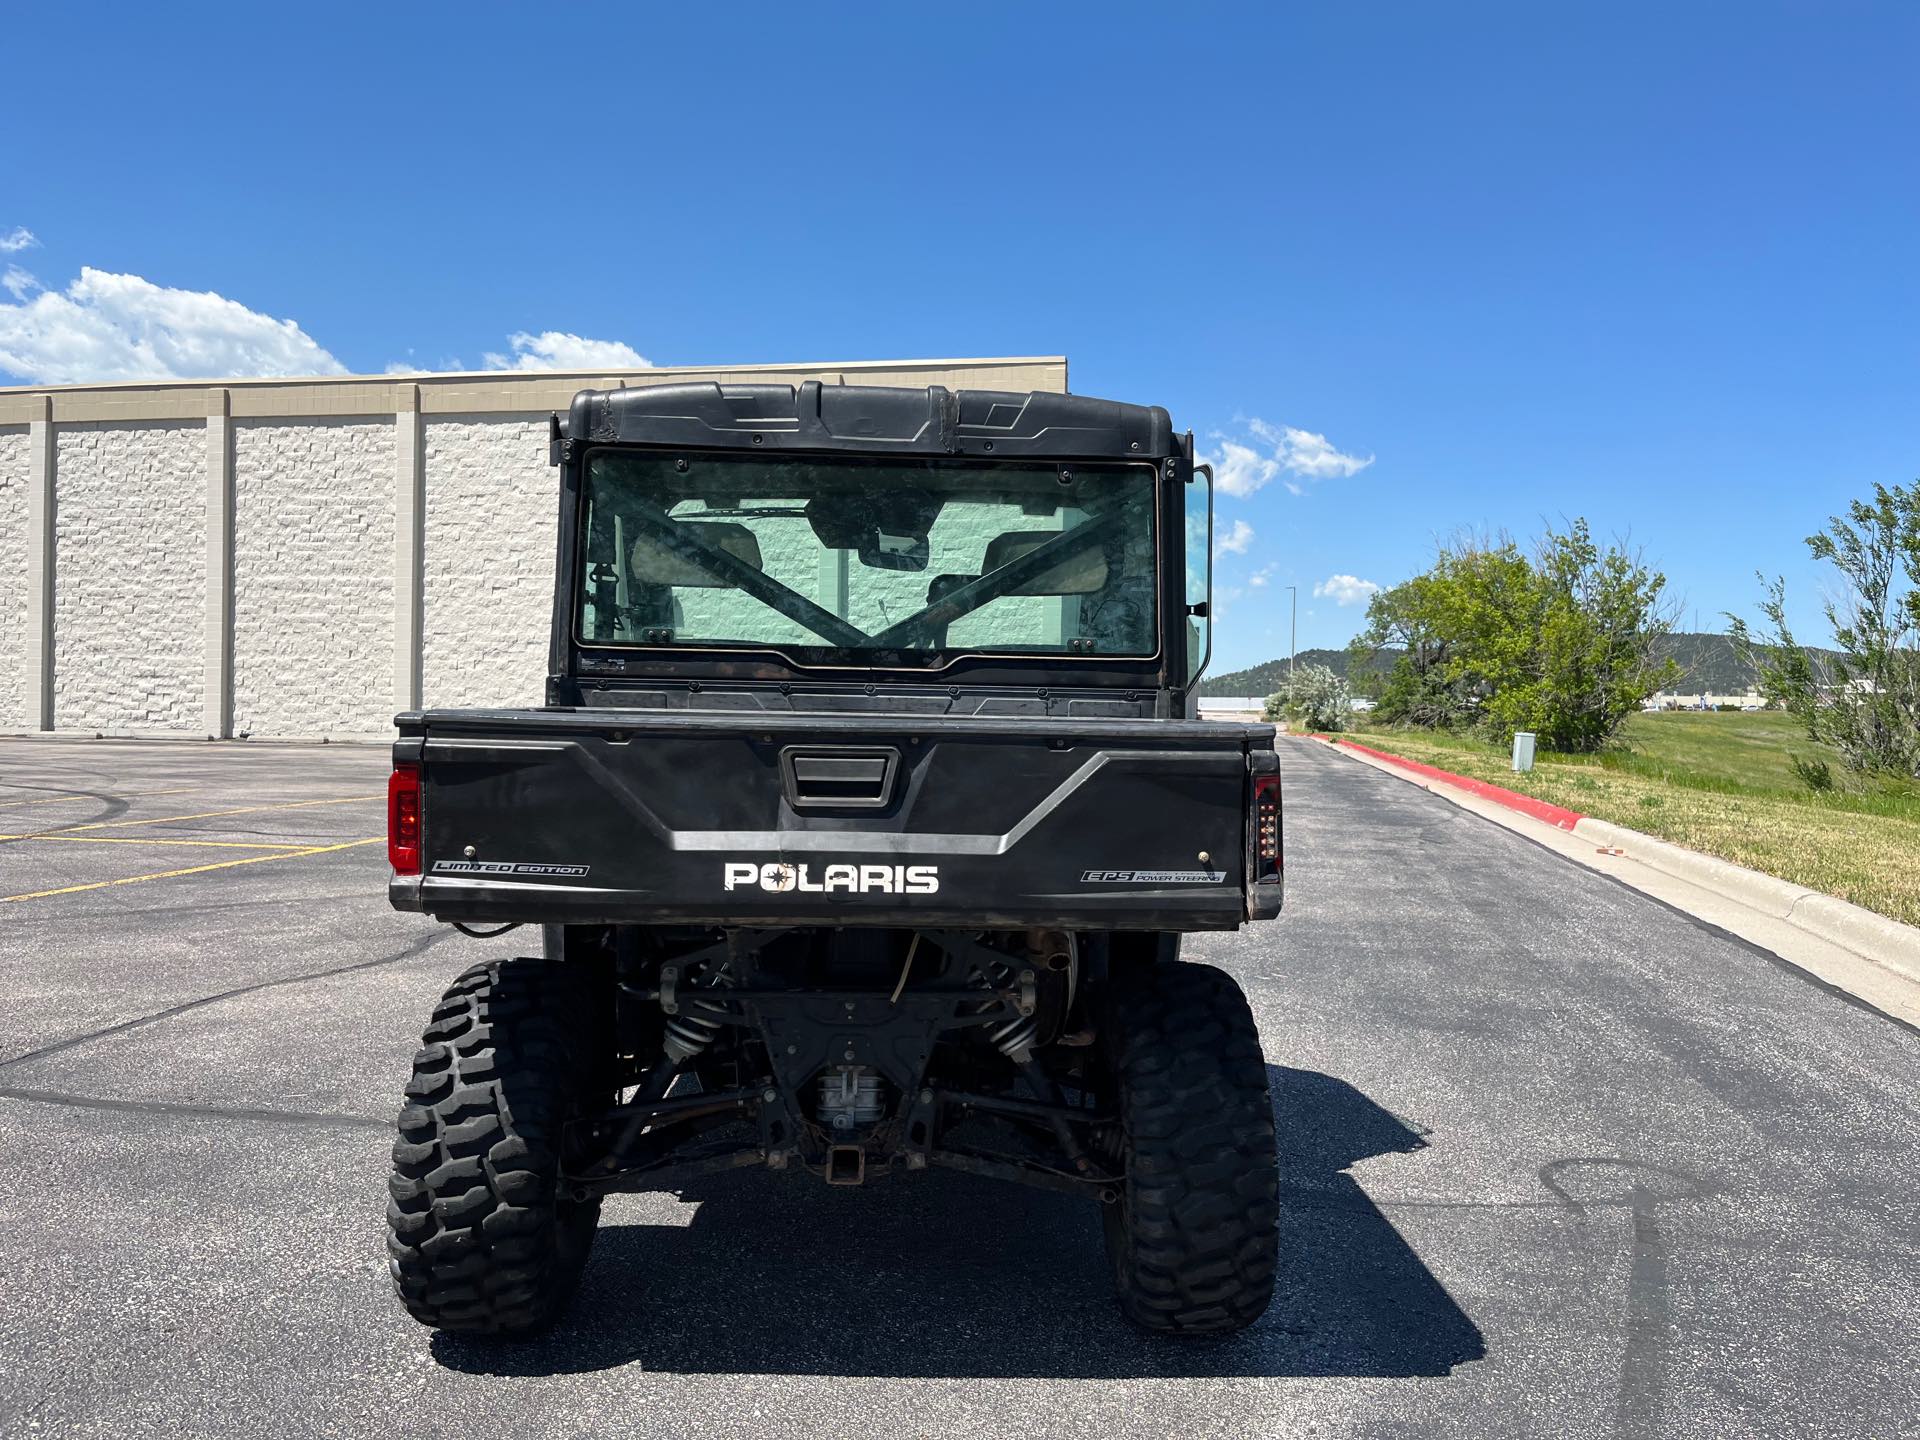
(1194, 1240)
(479, 1238)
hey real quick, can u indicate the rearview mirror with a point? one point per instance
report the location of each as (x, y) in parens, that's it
(656, 560)
(881, 551)
(1080, 574)
(887, 529)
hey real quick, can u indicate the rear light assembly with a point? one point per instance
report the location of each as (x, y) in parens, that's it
(1266, 826)
(403, 819)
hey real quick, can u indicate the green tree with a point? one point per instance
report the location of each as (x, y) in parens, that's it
(1592, 657)
(1454, 629)
(1864, 702)
(1563, 643)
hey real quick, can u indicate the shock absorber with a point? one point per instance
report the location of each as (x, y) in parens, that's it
(1055, 951)
(689, 1032)
(1051, 950)
(1013, 1038)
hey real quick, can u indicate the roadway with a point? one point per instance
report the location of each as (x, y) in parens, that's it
(1558, 1161)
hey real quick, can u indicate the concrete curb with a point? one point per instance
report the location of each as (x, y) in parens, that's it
(1886, 943)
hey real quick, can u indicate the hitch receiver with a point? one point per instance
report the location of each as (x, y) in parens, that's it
(847, 1165)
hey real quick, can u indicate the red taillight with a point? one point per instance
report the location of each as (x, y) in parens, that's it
(1266, 822)
(403, 820)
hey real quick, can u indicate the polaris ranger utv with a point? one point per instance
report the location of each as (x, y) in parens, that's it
(864, 818)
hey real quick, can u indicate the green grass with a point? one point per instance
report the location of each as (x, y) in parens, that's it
(1724, 784)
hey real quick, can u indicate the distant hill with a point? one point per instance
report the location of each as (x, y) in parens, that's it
(1708, 664)
(1270, 675)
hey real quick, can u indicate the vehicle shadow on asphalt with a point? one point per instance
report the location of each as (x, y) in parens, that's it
(948, 1275)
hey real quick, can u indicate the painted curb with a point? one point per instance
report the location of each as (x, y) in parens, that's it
(1872, 937)
(1556, 815)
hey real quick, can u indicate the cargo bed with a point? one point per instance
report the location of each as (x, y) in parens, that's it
(604, 816)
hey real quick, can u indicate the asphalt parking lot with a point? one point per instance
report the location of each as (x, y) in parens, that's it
(1558, 1161)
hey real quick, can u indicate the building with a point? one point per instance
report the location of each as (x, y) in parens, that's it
(304, 558)
(1700, 700)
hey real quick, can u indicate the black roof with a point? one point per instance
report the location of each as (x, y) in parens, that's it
(888, 420)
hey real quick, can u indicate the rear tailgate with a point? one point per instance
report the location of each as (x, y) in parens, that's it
(724, 818)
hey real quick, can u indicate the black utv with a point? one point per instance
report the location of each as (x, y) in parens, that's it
(864, 817)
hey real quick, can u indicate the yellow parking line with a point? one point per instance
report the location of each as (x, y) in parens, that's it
(153, 840)
(208, 814)
(77, 795)
(195, 869)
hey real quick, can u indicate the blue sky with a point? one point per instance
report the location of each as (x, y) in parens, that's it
(1652, 264)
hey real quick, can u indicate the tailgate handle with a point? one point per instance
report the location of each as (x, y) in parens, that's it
(838, 777)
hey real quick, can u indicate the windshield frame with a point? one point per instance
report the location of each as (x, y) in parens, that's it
(825, 657)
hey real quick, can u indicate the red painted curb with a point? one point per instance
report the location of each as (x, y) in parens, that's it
(1557, 815)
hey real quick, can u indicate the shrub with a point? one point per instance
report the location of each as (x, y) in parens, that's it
(1316, 695)
(1815, 774)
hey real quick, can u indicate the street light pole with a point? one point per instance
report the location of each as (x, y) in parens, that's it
(1293, 635)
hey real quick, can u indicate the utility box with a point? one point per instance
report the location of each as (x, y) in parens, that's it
(1523, 752)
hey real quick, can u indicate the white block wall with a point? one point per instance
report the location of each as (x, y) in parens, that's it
(13, 578)
(312, 577)
(303, 558)
(130, 551)
(491, 527)
(314, 573)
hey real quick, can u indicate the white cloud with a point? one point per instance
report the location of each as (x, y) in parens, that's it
(122, 327)
(1305, 453)
(1346, 589)
(557, 350)
(1240, 469)
(1234, 540)
(1260, 577)
(107, 327)
(1245, 464)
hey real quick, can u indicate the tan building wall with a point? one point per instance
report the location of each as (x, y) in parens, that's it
(130, 554)
(14, 712)
(301, 558)
(492, 509)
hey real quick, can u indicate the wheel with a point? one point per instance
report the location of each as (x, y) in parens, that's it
(1193, 1236)
(480, 1238)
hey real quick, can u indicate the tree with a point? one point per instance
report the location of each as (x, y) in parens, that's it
(1416, 690)
(1452, 626)
(1592, 657)
(1865, 702)
(1562, 644)
(1320, 697)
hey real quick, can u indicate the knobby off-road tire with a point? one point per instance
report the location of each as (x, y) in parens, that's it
(1193, 1238)
(480, 1238)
